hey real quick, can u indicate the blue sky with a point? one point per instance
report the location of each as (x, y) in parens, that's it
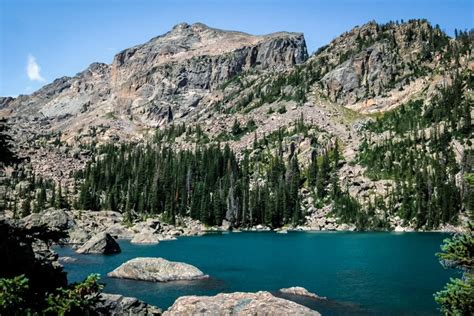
(41, 40)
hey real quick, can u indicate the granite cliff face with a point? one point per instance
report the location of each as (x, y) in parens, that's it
(167, 77)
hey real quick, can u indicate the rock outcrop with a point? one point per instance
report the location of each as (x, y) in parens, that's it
(238, 303)
(156, 270)
(88, 224)
(300, 291)
(101, 243)
(368, 61)
(118, 305)
(54, 219)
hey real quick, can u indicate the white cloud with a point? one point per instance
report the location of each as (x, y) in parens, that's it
(33, 69)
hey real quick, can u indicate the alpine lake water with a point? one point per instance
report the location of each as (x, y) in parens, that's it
(373, 273)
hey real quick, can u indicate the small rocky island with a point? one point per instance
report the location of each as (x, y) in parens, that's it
(157, 270)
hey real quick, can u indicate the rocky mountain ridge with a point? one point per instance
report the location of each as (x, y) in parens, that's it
(165, 78)
(233, 88)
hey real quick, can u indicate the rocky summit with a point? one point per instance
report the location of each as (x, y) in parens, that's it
(171, 76)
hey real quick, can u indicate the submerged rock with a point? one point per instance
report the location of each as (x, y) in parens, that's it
(114, 304)
(300, 291)
(66, 259)
(156, 270)
(100, 243)
(238, 303)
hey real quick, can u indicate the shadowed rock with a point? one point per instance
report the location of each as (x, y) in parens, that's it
(100, 243)
(114, 304)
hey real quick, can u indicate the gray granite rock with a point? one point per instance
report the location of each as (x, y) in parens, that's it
(118, 305)
(54, 219)
(156, 270)
(101, 243)
(238, 303)
(300, 291)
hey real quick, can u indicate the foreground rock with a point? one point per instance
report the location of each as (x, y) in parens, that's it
(101, 243)
(238, 303)
(156, 270)
(114, 304)
(300, 291)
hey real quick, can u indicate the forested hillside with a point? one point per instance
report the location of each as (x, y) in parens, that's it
(210, 183)
(372, 131)
(418, 147)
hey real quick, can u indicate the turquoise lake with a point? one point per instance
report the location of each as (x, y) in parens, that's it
(360, 273)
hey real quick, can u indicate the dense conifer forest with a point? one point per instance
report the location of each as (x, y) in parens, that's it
(209, 183)
(416, 149)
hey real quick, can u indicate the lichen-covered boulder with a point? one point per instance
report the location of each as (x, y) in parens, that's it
(238, 303)
(156, 270)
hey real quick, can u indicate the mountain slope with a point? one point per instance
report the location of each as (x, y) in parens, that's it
(299, 128)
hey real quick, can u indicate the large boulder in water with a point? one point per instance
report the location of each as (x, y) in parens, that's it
(101, 243)
(238, 303)
(156, 270)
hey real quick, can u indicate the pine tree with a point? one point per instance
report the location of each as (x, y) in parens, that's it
(26, 206)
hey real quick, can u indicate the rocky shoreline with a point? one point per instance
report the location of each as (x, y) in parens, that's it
(157, 269)
(83, 226)
(95, 232)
